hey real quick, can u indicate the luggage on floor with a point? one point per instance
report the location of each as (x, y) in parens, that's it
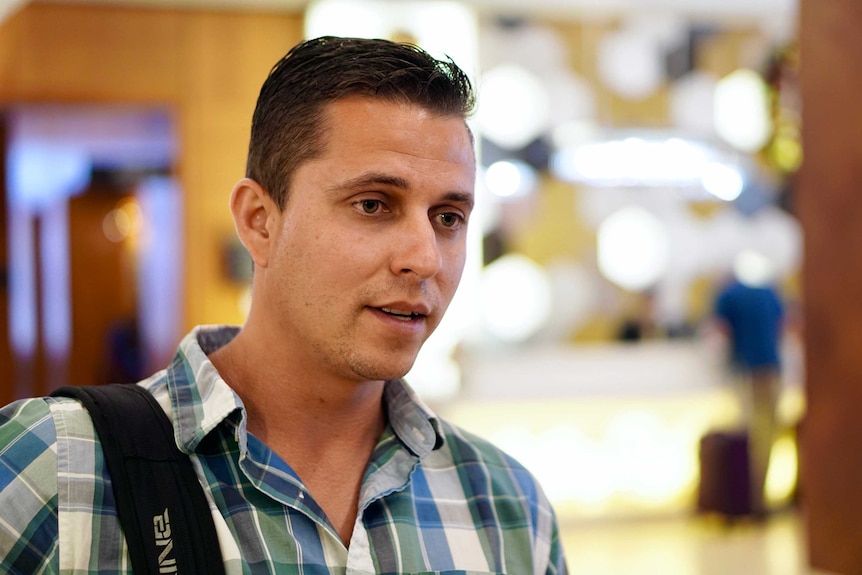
(725, 474)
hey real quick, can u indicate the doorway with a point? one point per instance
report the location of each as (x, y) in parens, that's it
(93, 214)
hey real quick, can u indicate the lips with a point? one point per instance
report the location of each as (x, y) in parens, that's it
(401, 314)
(405, 311)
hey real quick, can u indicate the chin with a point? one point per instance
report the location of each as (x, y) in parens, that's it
(382, 370)
(383, 374)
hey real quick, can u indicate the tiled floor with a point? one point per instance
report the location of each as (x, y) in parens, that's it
(688, 546)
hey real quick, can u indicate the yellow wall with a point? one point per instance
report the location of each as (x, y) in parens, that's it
(205, 66)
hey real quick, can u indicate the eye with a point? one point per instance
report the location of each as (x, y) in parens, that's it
(450, 220)
(370, 206)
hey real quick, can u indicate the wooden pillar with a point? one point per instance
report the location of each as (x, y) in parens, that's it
(6, 367)
(830, 208)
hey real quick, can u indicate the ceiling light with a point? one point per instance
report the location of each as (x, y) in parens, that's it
(633, 248)
(742, 110)
(513, 106)
(515, 297)
(722, 181)
(509, 179)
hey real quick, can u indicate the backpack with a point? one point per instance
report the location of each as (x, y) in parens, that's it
(160, 503)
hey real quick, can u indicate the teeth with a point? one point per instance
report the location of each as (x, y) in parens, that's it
(401, 314)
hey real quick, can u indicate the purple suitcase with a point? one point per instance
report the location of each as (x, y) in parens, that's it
(725, 474)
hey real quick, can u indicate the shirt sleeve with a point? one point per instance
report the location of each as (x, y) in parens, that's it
(28, 489)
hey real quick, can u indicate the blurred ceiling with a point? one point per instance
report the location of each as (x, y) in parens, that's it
(712, 9)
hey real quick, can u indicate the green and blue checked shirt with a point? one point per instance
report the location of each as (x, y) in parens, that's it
(434, 499)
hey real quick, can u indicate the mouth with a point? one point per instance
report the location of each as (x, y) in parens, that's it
(401, 314)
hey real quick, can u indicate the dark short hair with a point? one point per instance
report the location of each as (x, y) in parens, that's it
(287, 126)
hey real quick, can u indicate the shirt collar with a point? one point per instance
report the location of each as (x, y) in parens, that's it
(413, 422)
(201, 399)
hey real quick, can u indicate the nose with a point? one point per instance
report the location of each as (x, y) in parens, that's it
(416, 249)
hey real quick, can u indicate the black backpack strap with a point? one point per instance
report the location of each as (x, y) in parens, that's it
(160, 502)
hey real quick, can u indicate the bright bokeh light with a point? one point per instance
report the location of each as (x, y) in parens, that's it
(692, 102)
(575, 297)
(741, 109)
(159, 263)
(115, 226)
(343, 18)
(509, 179)
(645, 449)
(56, 306)
(722, 181)
(787, 151)
(570, 135)
(633, 248)
(648, 161)
(781, 478)
(124, 221)
(40, 178)
(515, 298)
(444, 29)
(600, 458)
(630, 63)
(436, 375)
(41, 174)
(571, 97)
(513, 107)
(753, 268)
(632, 161)
(541, 49)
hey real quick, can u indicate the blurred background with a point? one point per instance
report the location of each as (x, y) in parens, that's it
(636, 157)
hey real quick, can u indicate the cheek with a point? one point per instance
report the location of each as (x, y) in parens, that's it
(339, 255)
(454, 268)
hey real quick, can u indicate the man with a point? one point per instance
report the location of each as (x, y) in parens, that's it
(750, 314)
(316, 457)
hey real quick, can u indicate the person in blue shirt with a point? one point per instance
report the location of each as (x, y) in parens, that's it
(751, 314)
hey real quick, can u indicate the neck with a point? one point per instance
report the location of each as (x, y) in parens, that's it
(285, 400)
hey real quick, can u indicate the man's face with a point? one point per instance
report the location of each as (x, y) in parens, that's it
(371, 244)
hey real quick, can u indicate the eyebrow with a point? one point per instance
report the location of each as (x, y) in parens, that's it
(382, 179)
(373, 178)
(460, 197)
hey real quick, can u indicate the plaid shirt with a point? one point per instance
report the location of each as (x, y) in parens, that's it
(434, 499)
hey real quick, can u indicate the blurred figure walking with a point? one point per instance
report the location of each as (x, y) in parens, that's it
(750, 313)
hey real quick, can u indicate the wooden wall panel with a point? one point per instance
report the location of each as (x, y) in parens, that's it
(94, 54)
(831, 213)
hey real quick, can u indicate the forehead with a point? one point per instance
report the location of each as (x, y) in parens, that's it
(368, 133)
(380, 121)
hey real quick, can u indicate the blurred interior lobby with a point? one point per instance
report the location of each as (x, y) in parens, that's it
(634, 155)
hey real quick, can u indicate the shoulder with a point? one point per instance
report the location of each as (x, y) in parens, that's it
(28, 486)
(473, 456)
(32, 432)
(41, 437)
(470, 473)
(725, 296)
(26, 431)
(465, 443)
(56, 490)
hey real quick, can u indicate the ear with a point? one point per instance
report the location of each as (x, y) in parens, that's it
(255, 216)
